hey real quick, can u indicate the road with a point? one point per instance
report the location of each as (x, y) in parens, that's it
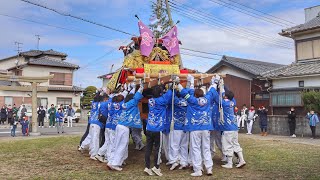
(77, 129)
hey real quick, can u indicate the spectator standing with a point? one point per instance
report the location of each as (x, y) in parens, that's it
(243, 116)
(263, 116)
(25, 126)
(14, 124)
(9, 114)
(52, 116)
(41, 114)
(3, 114)
(313, 121)
(292, 122)
(59, 120)
(15, 110)
(23, 111)
(70, 114)
(251, 118)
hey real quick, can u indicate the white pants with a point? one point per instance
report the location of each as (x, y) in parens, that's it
(215, 139)
(241, 121)
(136, 135)
(230, 143)
(94, 144)
(69, 119)
(166, 144)
(121, 145)
(103, 150)
(178, 149)
(200, 147)
(249, 126)
(111, 148)
(86, 142)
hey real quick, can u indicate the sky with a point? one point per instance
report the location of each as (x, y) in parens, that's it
(95, 48)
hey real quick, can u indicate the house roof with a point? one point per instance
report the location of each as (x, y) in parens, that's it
(61, 88)
(252, 67)
(47, 61)
(294, 69)
(312, 24)
(34, 53)
(105, 75)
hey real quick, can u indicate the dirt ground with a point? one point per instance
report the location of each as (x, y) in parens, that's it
(58, 158)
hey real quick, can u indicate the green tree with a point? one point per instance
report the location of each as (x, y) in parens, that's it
(163, 24)
(311, 100)
(88, 95)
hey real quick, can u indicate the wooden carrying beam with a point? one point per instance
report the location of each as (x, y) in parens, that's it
(156, 76)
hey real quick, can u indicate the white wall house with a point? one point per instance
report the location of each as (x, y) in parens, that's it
(304, 73)
(38, 63)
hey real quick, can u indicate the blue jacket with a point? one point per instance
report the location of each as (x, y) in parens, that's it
(116, 108)
(95, 111)
(104, 108)
(198, 111)
(158, 112)
(180, 113)
(229, 122)
(109, 122)
(313, 119)
(215, 115)
(130, 115)
(59, 116)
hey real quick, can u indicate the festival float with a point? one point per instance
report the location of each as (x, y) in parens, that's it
(153, 61)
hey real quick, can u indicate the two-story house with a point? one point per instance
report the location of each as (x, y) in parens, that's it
(304, 72)
(41, 63)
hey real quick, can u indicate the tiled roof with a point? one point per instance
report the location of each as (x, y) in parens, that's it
(294, 69)
(253, 67)
(313, 23)
(105, 75)
(47, 61)
(34, 53)
(72, 88)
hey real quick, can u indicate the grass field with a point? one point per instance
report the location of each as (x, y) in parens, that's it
(57, 158)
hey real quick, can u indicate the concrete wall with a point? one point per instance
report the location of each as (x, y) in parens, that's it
(9, 63)
(294, 82)
(278, 125)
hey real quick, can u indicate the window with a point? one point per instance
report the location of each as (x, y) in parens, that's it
(308, 49)
(58, 79)
(8, 100)
(301, 83)
(261, 96)
(286, 99)
(43, 102)
(18, 72)
(64, 101)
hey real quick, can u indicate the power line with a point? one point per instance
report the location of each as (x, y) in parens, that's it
(252, 14)
(259, 40)
(79, 18)
(58, 27)
(194, 55)
(203, 52)
(202, 17)
(262, 12)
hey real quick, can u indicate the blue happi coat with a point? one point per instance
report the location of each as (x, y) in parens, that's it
(198, 111)
(130, 115)
(180, 112)
(158, 112)
(95, 112)
(229, 121)
(109, 122)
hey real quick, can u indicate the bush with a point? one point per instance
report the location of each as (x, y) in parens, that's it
(311, 100)
(78, 111)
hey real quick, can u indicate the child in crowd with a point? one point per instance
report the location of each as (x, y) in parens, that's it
(25, 126)
(14, 124)
(251, 118)
(59, 121)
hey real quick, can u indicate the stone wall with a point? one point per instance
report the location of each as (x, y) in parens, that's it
(278, 125)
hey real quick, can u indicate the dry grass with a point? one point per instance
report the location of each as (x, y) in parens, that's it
(57, 158)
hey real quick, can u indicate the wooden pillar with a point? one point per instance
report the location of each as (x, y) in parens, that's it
(34, 109)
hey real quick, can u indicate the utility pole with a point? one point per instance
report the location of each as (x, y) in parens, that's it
(38, 41)
(19, 48)
(169, 12)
